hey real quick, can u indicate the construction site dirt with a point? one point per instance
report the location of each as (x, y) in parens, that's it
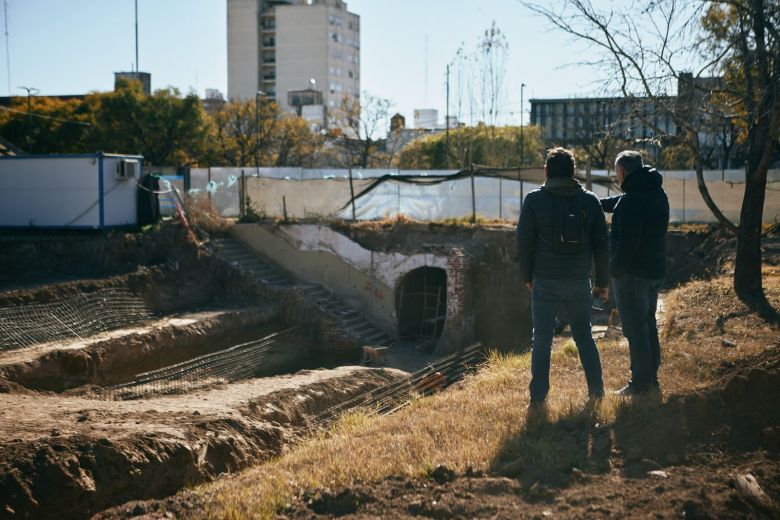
(133, 365)
(89, 322)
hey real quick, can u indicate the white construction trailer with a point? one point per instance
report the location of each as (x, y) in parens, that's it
(84, 191)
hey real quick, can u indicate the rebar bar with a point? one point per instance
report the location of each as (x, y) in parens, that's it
(393, 396)
(70, 319)
(225, 366)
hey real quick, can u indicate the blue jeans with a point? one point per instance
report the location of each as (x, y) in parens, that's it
(547, 297)
(637, 299)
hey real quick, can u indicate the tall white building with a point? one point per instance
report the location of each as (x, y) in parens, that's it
(280, 46)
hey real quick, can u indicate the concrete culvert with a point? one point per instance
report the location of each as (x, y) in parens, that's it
(421, 303)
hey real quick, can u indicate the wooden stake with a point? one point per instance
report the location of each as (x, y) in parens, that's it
(352, 193)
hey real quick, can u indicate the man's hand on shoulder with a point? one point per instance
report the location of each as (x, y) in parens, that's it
(602, 293)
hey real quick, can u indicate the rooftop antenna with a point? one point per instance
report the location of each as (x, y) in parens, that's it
(7, 46)
(426, 70)
(136, 36)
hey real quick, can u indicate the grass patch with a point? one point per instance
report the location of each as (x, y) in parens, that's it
(483, 424)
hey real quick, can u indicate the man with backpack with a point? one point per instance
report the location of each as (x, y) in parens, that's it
(561, 231)
(637, 263)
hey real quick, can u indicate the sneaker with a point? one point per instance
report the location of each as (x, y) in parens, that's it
(536, 412)
(631, 390)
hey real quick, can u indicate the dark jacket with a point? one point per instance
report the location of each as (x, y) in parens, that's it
(637, 240)
(535, 230)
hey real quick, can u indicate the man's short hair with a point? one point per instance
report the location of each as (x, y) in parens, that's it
(630, 161)
(560, 162)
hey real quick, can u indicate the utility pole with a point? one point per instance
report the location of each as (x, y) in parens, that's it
(137, 68)
(447, 118)
(522, 156)
(30, 92)
(7, 46)
(259, 95)
(522, 87)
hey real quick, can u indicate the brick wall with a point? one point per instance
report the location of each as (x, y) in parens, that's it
(459, 327)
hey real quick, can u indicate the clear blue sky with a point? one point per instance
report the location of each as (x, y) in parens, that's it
(74, 46)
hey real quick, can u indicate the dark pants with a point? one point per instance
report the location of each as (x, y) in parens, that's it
(636, 301)
(547, 297)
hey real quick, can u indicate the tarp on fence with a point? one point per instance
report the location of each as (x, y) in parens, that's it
(441, 194)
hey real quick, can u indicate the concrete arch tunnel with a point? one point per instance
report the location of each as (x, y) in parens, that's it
(421, 303)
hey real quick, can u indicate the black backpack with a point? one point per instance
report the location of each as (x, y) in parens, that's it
(570, 225)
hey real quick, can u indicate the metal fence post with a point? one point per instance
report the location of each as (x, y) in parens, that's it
(500, 197)
(352, 193)
(242, 196)
(473, 197)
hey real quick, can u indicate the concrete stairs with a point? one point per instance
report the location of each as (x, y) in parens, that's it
(353, 322)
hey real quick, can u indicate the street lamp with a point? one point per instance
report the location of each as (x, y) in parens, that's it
(259, 94)
(31, 91)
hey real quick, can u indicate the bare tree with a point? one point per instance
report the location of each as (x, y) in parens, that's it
(649, 45)
(357, 124)
(480, 92)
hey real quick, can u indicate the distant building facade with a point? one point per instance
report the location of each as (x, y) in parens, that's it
(144, 77)
(280, 47)
(581, 121)
(578, 121)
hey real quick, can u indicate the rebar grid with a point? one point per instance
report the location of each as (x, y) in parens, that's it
(394, 396)
(225, 366)
(70, 319)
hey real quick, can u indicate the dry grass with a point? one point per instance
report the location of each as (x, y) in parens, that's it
(205, 214)
(482, 423)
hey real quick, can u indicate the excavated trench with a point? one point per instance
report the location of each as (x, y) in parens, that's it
(69, 447)
(90, 420)
(117, 356)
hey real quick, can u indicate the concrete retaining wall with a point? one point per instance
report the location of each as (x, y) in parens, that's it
(365, 280)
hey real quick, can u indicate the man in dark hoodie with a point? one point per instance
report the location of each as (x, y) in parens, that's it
(637, 262)
(560, 232)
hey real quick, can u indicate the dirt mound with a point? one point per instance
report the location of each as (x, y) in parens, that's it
(115, 357)
(710, 492)
(75, 458)
(34, 257)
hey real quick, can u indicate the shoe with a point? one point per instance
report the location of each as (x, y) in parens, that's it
(631, 390)
(536, 412)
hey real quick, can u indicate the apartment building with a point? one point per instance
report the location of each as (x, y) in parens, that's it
(580, 121)
(283, 47)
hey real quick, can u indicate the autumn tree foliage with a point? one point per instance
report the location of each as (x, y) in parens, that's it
(495, 147)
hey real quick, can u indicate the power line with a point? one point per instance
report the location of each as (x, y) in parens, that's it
(41, 116)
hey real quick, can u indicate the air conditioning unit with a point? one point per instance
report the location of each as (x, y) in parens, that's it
(127, 169)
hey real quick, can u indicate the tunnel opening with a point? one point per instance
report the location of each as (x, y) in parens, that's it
(421, 303)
